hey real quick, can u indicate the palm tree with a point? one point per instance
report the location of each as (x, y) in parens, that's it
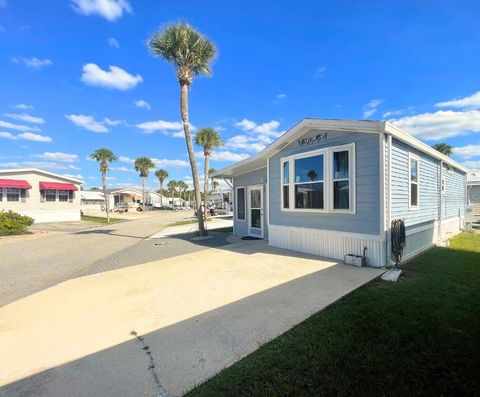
(211, 172)
(215, 185)
(161, 175)
(191, 55)
(443, 148)
(172, 188)
(183, 188)
(104, 156)
(209, 139)
(143, 165)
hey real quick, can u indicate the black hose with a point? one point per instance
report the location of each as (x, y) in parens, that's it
(398, 239)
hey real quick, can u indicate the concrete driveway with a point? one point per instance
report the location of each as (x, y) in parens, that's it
(160, 328)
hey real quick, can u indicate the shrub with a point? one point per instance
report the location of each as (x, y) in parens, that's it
(13, 223)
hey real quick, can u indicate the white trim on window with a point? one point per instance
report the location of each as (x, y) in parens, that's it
(327, 181)
(244, 203)
(413, 157)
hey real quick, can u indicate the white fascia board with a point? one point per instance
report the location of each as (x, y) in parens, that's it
(421, 146)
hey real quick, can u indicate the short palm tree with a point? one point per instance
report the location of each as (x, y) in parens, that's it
(215, 185)
(443, 148)
(161, 174)
(143, 165)
(209, 139)
(104, 156)
(191, 54)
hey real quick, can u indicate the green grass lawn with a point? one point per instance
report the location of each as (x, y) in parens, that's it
(99, 219)
(420, 336)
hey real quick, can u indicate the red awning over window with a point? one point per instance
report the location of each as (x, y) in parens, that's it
(57, 186)
(15, 184)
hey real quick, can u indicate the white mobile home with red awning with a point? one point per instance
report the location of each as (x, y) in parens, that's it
(42, 195)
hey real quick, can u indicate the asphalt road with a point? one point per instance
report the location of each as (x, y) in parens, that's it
(32, 265)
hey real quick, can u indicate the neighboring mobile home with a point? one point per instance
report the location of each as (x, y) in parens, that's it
(42, 195)
(332, 187)
(473, 193)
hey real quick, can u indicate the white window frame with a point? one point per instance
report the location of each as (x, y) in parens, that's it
(443, 186)
(60, 192)
(328, 179)
(411, 157)
(244, 203)
(350, 148)
(282, 179)
(50, 201)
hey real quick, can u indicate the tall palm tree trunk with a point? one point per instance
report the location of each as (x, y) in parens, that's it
(205, 186)
(104, 185)
(143, 194)
(191, 155)
(161, 194)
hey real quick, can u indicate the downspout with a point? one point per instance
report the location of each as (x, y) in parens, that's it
(440, 201)
(388, 212)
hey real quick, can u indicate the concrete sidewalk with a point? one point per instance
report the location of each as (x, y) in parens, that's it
(192, 228)
(191, 316)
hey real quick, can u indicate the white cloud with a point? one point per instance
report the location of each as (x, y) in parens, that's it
(158, 162)
(115, 78)
(34, 137)
(371, 107)
(75, 176)
(246, 125)
(170, 163)
(161, 125)
(467, 151)
(25, 117)
(17, 127)
(125, 159)
(89, 123)
(397, 112)
(142, 104)
(225, 155)
(58, 156)
(469, 102)
(258, 135)
(320, 72)
(244, 142)
(178, 134)
(472, 165)
(7, 135)
(108, 9)
(113, 42)
(33, 164)
(441, 124)
(122, 169)
(23, 106)
(37, 63)
(113, 123)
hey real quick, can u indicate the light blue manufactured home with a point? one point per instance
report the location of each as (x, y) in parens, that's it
(333, 187)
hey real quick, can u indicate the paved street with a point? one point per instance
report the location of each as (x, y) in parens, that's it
(35, 264)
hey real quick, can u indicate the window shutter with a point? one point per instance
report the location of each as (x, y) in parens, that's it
(70, 196)
(23, 195)
(42, 196)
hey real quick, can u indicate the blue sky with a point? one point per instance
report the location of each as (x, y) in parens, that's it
(76, 75)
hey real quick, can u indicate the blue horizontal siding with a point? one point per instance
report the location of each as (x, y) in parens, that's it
(367, 217)
(428, 198)
(256, 177)
(454, 199)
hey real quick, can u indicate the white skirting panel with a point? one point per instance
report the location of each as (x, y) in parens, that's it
(53, 215)
(452, 226)
(330, 244)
